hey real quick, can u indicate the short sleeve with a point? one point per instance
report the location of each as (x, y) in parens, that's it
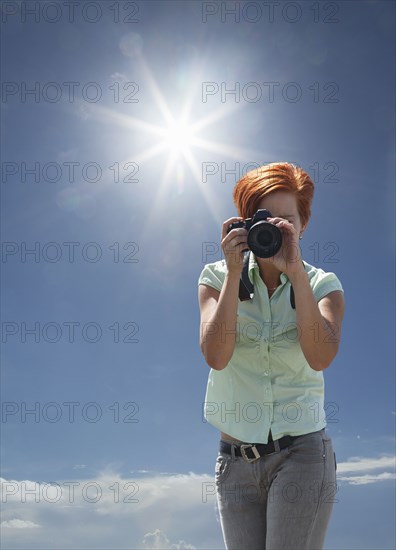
(324, 283)
(213, 275)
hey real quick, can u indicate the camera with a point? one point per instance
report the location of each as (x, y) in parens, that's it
(264, 238)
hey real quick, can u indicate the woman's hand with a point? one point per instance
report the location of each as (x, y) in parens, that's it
(233, 245)
(288, 257)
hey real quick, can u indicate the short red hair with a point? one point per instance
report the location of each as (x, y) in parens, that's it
(276, 176)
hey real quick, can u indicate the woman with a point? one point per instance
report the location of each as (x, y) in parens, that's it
(276, 469)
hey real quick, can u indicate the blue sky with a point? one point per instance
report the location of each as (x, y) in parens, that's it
(114, 372)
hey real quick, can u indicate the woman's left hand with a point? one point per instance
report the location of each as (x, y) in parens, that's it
(288, 258)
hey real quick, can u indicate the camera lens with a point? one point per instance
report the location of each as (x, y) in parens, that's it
(264, 239)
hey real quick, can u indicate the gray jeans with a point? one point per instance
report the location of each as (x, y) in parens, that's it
(282, 501)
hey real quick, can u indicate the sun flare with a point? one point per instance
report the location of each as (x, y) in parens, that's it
(179, 136)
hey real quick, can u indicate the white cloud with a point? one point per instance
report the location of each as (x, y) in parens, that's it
(367, 478)
(82, 110)
(159, 541)
(362, 464)
(147, 511)
(119, 77)
(18, 524)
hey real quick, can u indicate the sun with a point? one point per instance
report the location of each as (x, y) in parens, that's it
(178, 137)
(182, 136)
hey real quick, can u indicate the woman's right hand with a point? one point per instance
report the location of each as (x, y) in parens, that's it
(234, 244)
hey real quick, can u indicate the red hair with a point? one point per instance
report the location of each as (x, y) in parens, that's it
(277, 176)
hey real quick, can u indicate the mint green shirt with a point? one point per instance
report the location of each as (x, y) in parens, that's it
(268, 383)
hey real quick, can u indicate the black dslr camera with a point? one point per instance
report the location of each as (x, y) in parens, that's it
(264, 238)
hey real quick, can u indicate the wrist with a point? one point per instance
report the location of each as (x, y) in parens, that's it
(298, 276)
(234, 274)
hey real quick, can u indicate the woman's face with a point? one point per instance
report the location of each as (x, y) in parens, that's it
(283, 204)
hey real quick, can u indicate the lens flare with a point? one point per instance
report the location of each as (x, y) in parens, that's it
(178, 136)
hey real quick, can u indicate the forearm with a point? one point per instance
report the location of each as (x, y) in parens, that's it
(219, 333)
(318, 340)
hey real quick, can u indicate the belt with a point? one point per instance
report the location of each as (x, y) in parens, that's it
(253, 451)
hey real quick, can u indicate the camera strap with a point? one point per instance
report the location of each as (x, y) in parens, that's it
(246, 288)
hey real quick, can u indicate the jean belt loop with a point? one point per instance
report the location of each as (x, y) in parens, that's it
(233, 452)
(277, 447)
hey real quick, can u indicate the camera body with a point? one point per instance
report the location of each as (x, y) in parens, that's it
(264, 238)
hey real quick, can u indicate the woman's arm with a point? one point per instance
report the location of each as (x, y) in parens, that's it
(219, 309)
(218, 321)
(319, 323)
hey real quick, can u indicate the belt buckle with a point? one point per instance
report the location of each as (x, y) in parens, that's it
(255, 452)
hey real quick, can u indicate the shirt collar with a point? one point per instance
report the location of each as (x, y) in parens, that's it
(253, 266)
